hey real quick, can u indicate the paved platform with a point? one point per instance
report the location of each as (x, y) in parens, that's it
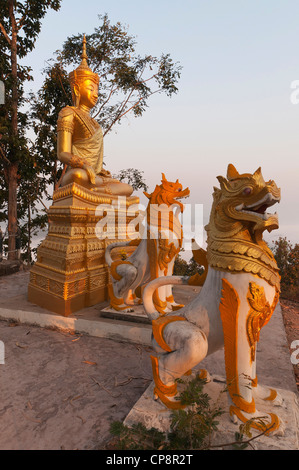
(98, 321)
(93, 321)
(46, 362)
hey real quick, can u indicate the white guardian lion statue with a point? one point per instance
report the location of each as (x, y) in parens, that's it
(237, 299)
(155, 254)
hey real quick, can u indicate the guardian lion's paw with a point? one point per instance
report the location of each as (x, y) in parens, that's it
(267, 423)
(267, 394)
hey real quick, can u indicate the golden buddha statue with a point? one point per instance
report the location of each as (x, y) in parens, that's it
(80, 137)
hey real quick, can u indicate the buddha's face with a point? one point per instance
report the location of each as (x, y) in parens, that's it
(87, 93)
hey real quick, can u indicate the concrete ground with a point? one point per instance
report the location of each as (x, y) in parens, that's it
(62, 388)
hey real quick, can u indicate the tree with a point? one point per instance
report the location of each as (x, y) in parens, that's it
(54, 95)
(287, 258)
(20, 24)
(133, 177)
(127, 81)
(186, 268)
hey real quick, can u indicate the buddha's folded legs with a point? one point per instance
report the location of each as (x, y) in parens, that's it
(102, 184)
(116, 188)
(80, 176)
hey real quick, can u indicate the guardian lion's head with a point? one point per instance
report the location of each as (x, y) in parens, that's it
(242, 203)
(168, 193)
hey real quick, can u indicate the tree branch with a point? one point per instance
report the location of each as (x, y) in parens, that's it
(46, 208)
(248, 441)
(20, 22)
(5, 34)
(113, 90)
(60, 79)
(57, 184)
(59, 76)
(12, 15)
(120, 114)
(3, 156)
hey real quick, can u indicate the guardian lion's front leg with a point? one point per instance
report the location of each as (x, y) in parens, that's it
(180, 346)
(243, 314)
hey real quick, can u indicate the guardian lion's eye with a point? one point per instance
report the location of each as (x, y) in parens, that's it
(247, 191)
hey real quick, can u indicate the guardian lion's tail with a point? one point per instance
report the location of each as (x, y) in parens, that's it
(111, 247)
(149, 290)
(200, 256)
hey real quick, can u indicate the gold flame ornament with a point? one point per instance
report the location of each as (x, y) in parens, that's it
(83, 71)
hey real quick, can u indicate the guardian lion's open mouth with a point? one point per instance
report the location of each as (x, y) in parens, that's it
(260, 207)
(182, 193)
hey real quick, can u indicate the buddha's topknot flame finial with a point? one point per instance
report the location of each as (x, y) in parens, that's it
(83, 72)
(84, 62)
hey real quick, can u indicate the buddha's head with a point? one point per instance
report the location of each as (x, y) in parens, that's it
(84, 83)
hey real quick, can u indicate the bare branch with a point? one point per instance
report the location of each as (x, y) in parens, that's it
(46, 208)
(121, 114)
(105, 102)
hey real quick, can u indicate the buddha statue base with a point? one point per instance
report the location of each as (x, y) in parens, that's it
(70, 272)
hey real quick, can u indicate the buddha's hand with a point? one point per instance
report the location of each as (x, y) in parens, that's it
(105, 173)
(91, 173)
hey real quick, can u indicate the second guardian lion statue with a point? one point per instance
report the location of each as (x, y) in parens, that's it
(155, 254)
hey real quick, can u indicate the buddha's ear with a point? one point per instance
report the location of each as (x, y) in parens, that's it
(76, 89)
(76, 94)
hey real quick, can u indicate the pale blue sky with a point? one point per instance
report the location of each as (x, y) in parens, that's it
(239, 59)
